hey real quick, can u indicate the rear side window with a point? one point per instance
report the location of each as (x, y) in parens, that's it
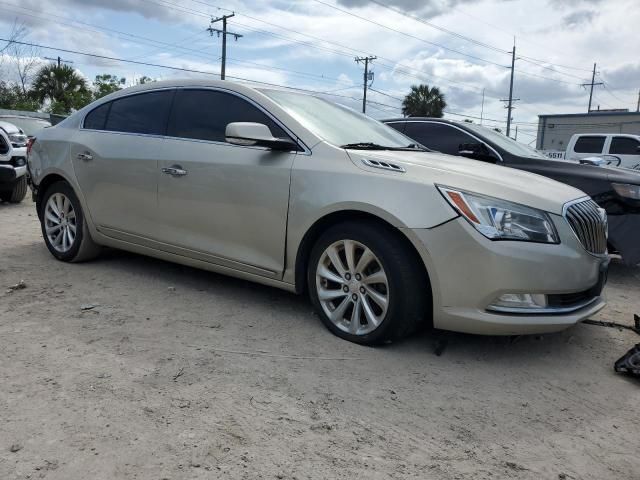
(205, 114)
(144, 113)
(624, 146)
(438, 136)
(589, 145)
(97, 117)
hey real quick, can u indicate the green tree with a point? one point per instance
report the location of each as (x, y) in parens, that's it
(424, 101)
(105, 84)
(63, 87)
(13, 97)
(144, 79)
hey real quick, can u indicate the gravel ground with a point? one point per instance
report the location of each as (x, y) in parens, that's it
(130, 367)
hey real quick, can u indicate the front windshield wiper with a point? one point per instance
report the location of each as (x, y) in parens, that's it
(375, 146)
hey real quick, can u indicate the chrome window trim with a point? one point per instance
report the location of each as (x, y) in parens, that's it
(295, 138)
(448, 125)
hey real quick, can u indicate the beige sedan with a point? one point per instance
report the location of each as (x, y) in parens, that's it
(296, 192)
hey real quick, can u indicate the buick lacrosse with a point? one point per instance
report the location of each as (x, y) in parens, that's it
(296, 192)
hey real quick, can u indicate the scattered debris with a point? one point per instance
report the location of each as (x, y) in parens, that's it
(88, 306)
(515, 466)
(16, 447)
(635, 328)
(21, 285)
(630, 362)
(179, 374)
(171, 289)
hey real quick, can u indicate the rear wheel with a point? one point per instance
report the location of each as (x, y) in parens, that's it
(63, 225)
(366, 283)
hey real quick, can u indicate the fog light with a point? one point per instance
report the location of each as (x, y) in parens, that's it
(518, 301)
(20, 162)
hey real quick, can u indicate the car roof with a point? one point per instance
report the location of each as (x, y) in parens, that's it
(420, 119)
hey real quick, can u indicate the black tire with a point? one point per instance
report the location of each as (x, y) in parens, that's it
(83, 247)
(19, 191)
(409, 292)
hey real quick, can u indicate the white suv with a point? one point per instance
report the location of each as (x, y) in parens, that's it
(623, 147)
(13, 163)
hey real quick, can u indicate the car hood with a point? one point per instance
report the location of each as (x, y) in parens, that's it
(474, 176)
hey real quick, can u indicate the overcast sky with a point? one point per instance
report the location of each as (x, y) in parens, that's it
(311, 44)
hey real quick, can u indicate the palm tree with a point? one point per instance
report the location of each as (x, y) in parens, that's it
(423, 101)
(61, 86)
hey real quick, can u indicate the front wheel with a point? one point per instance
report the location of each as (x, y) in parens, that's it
(17, 192)
(64, 227)
(367, 284)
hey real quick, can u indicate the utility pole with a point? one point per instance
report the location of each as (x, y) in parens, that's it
(224, 33)
(592, 84)
(516, 138)
(482, 108)
(638, 107)
(59, 60)
(510, 100)
(368, 76)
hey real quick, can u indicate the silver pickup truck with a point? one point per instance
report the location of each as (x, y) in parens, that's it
(13, 164)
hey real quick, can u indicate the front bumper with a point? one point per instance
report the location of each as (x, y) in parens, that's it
(469, 272)
(9, 173)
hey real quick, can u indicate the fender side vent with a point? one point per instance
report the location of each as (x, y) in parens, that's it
(383, 165)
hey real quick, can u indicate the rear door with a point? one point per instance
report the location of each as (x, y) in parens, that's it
(228, 204)
(115, 159)
(627, 149)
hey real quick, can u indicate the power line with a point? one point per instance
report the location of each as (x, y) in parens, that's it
(437, 27)
(386, 27)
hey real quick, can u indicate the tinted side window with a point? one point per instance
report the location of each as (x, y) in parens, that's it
(624, 146)
(399, 126)
(589, 145)
(438, 136)
(97, 117)
(143, 113)
(204, 115)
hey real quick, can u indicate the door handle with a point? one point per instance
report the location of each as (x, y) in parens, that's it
(86, 156)
(174, 171)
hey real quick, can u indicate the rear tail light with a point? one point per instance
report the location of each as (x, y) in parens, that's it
(30, 144)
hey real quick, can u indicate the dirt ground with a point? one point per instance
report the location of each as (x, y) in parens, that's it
(133, 368)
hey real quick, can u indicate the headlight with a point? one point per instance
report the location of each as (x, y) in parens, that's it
(627, 190)
(501, 220)
(18, 139)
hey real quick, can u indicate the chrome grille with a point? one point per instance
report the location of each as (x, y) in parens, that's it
(589, 223)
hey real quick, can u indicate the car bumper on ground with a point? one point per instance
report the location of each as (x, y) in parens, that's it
(470, 272)
(624, 236)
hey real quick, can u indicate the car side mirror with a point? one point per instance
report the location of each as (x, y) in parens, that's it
(476, 151)
(257, 134)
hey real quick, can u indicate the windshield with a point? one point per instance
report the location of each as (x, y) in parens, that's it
(506, 143)
(335, 123)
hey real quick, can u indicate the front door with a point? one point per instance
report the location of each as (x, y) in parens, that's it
(115, 159)
(218, 202)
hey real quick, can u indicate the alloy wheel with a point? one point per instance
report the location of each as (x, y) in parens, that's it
(352, 287)
(60, 222)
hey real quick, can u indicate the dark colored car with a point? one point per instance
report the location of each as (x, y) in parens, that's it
(617, 190)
